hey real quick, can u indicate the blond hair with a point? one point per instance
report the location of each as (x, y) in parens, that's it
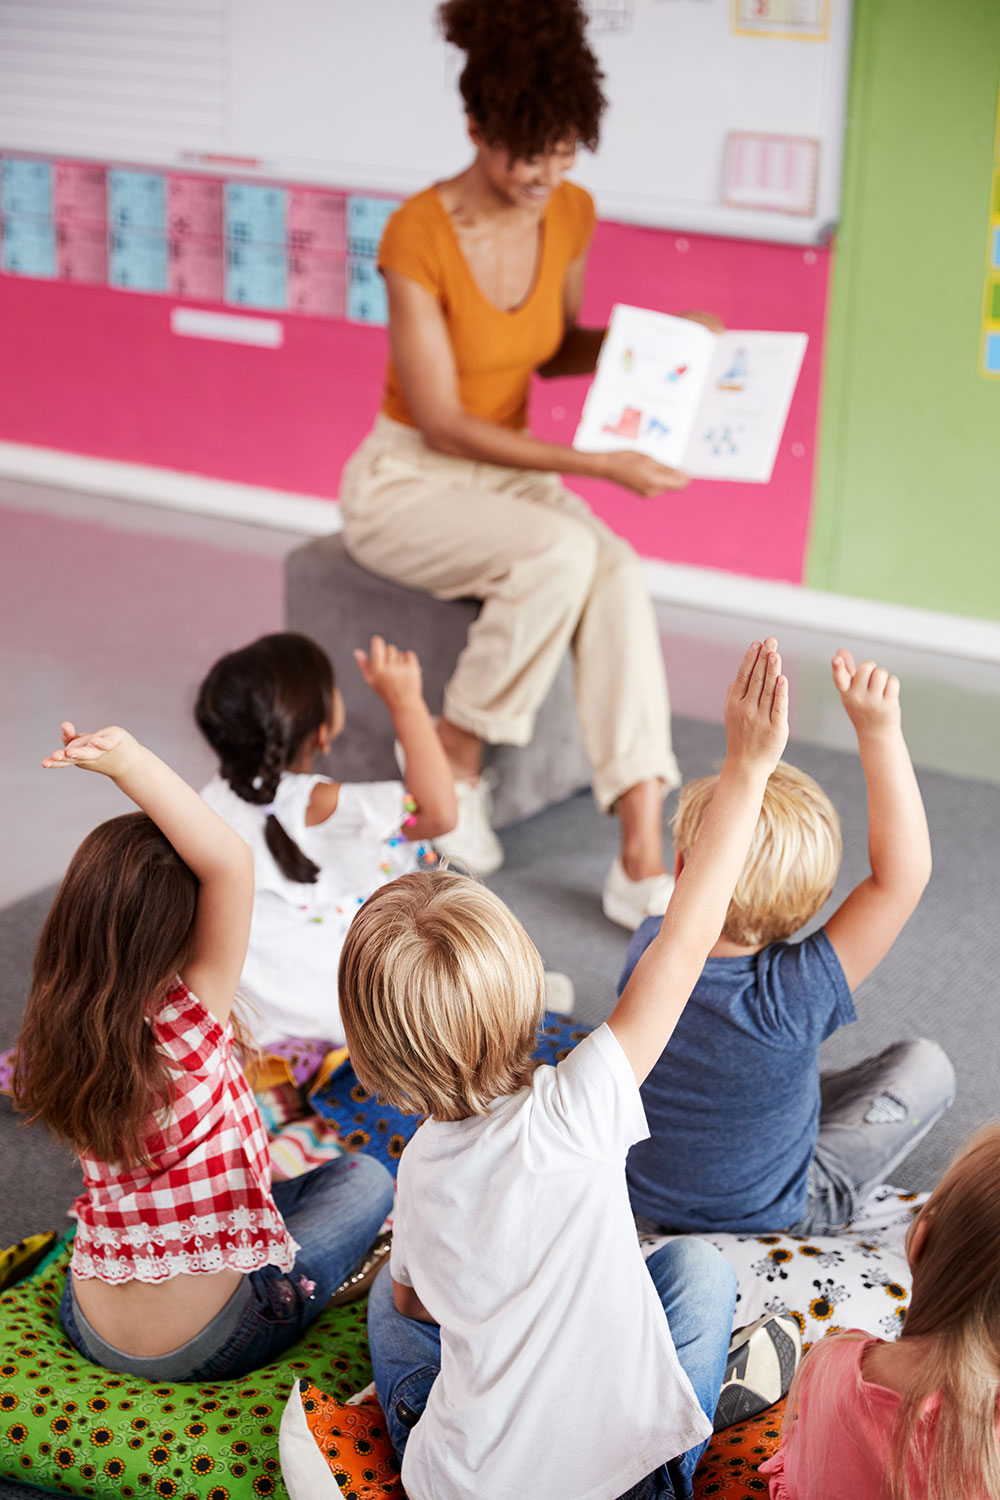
(441, 995)
(955, 1312)
(793, 860)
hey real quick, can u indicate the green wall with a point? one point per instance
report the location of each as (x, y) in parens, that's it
(907, 505)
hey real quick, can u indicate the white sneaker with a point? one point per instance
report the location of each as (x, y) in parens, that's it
(762, 1360)
(628, 902)
(560, 995)
(472, 839)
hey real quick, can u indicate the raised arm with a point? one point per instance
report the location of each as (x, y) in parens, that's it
(212, 851)
(756, 720)
(425, 366)
(865, 925)
(396, 677)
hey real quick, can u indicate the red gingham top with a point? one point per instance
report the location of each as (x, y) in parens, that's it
(206, 1202)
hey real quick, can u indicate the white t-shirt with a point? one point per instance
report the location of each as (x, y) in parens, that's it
(297, 932)
(558, 1373)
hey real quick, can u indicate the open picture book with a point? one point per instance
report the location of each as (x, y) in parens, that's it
(712, 404)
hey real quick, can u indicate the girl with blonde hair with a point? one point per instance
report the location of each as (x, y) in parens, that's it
(915, 1419)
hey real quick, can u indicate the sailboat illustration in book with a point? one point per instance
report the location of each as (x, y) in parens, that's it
(712, 404)
(735, 377)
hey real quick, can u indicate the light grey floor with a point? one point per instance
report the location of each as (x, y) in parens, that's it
(111, 612)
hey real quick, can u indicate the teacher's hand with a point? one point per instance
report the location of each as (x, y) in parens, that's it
(638, 472)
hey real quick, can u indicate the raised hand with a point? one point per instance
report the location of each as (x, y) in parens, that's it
(392, 674)
(756, 713)
(641, 474)
(109, 751)
(869, 693)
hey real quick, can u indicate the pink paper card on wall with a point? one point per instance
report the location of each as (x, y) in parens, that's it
(316, 221)
(81, 252)
(80, 193)
(196, 269)
(775, 172)
(316, 285)
(194, 207)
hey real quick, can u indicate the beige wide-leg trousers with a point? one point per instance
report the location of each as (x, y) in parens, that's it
(550, 575)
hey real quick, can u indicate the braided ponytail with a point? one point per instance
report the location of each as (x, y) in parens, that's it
(256, 708)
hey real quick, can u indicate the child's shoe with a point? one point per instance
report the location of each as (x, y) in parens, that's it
(629, 902)
(360, 1279)
(762, 1359)
(472, 839)
(560, 995)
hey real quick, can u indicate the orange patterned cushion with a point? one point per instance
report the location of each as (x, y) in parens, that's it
(728, 1469)
(356, 1445)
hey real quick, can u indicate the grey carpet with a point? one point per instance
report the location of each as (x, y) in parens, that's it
(940, 979)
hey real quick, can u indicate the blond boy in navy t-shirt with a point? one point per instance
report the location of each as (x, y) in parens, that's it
(745, 1133)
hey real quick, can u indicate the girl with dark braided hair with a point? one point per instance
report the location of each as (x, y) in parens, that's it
(451, 493)
(320, 847)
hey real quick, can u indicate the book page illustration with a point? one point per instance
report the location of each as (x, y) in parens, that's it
(648, 382)
(744, 404)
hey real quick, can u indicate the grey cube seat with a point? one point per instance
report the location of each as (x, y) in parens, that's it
(341, 606)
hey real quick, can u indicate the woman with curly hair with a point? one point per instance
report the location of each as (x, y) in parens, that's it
(451, 493)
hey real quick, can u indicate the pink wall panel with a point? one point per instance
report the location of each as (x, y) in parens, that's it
(94, 371)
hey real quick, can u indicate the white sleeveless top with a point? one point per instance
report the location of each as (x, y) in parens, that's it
(297, 932)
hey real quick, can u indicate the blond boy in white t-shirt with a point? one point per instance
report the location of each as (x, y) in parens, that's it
(518, 1339)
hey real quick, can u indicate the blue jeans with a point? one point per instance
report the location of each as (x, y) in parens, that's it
(697, 1288)
(334, 1212)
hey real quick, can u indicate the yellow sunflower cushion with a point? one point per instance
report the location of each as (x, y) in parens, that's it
(331, 1450)
(68, 1425)
(728, 1468)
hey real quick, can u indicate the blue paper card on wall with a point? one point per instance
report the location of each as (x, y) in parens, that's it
(991, 353)
(366, 219)
(366, 296)
(257, 276)
(29, 247)
(255, 215)
(137, 262)
(25, 187)
(137, 200)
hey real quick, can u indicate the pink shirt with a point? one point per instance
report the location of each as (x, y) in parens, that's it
(839, 1443)
(205, 1203)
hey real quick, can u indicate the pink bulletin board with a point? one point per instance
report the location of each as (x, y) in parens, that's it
(742, 528)
(95, 371)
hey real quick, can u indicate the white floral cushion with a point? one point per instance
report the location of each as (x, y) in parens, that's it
(856, 1279)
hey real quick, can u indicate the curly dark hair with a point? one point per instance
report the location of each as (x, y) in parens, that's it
(530, 79)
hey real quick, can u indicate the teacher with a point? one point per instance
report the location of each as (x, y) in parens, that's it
(451, 493)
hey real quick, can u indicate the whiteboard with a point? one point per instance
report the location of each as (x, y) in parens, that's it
(363, 94)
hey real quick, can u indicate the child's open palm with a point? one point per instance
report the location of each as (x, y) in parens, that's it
(106, 750)
(870, 695)
(756, 714)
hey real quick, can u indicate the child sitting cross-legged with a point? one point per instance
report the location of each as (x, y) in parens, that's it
(520, 1344)
(745, 1134)
(320, 847)
(187, 1264)
(916, 1419)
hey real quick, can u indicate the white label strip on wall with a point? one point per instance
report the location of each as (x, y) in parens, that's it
(231, 328)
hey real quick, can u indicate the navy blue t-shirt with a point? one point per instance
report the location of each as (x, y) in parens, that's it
(733, 1102)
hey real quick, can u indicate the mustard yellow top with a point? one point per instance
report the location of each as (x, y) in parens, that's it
(495, 351)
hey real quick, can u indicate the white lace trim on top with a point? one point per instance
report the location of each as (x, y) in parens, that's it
(248, 1241)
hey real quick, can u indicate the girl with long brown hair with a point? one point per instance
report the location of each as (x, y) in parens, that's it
(916, 1419)
(186, 1265)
